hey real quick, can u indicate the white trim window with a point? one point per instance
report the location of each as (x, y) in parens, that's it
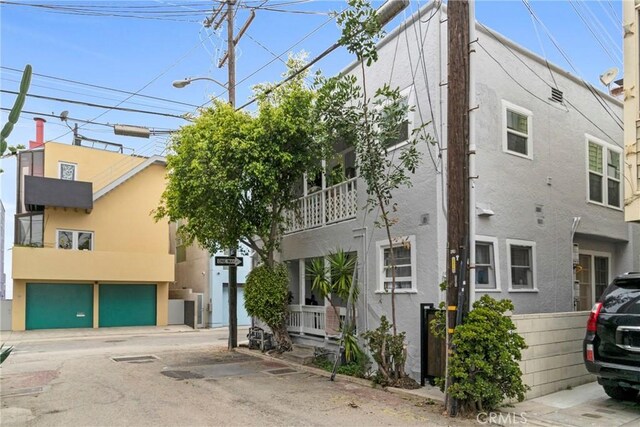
(404, 250)
(406, 127)
(67, 171)
(487, 271)
(521, 258)
(74, 239)
(604, 173)
(517, 136)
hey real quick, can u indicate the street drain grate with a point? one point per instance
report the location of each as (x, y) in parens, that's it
(135, 359)
(182, 375)
(281, 371)
(110, 341)
(22, 392)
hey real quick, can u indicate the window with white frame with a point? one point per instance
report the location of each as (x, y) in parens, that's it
(604, 173)
(404, 254)
(486, 269)
(517, 137)
(67, 171)
(74, 239)
(522, 265)
(404, 129)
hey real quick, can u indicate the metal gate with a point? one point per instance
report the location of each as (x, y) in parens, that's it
(432, 348)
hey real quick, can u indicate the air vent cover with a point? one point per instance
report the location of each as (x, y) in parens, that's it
(556, 95)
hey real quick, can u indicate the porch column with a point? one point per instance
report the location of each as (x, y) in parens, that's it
(301, 284)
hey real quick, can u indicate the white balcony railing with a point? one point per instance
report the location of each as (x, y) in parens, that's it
(333, 204)
(312, 320)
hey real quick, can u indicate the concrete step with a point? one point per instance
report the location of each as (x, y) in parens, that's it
(301, 354)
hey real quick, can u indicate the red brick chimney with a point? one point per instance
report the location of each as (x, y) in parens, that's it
(39, 142)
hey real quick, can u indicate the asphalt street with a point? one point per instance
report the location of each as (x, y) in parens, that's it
(183, 379)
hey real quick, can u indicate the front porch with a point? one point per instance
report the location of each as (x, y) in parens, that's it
(315, 321)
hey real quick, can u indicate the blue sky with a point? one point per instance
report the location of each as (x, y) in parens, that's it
(82, 41)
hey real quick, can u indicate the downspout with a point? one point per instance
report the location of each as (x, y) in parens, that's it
(363, 276)
(472, 153)
(574, 227)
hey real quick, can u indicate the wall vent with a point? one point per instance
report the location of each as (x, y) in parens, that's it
(556, 95)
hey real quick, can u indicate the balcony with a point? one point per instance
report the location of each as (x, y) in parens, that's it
(323, 207)
(41, 192)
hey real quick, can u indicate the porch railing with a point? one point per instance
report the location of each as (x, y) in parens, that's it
(333, 204)
(312, 320)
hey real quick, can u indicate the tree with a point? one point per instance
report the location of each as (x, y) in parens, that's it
(371, 124)
(14, 115)
(232, 174)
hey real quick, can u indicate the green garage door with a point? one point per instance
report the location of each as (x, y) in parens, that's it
(127, 305)
(59, 305)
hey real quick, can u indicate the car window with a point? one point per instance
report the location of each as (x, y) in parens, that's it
(622, 297)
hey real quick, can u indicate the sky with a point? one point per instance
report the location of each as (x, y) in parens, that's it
(141, 47)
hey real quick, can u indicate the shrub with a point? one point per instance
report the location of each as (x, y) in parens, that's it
(358, 368)
(266, 297)
(484, 367)
(388, 351)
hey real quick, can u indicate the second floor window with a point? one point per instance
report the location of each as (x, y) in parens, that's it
(517, 130)
(74, 239)
(604, 169)
(485, 266)
(67, 171)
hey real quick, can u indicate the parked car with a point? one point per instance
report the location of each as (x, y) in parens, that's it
(612, 344)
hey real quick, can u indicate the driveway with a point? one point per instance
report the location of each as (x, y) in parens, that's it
(185, 379)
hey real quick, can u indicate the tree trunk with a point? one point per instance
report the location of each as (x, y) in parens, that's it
(281, 336)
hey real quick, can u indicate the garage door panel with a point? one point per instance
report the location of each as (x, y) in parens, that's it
(59, 305)
(127, 305)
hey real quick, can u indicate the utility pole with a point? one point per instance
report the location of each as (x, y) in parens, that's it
(233, 269)
(457, 174)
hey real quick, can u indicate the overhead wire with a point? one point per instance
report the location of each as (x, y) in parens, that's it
(100, 87)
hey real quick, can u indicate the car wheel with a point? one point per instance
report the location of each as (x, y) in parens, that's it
(620, 393)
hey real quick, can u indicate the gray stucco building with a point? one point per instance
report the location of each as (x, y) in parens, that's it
(550, 227)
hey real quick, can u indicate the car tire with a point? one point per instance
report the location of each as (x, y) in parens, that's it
(620, 393)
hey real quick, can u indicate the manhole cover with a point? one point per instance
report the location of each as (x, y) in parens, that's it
(182, 375)
(135, 359)
(282, 371)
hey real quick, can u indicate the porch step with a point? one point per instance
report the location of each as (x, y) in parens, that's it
(301, 354)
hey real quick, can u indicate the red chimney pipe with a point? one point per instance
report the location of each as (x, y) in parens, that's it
(39, 142)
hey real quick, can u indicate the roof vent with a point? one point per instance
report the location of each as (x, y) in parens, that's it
(556, 95)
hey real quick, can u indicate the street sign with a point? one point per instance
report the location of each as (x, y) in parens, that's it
(228, 260)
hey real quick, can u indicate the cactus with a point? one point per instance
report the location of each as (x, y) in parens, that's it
(14, 115)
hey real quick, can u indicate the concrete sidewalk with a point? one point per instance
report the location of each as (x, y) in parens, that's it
(13, 338)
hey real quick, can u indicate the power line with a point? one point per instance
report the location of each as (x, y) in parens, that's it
(90, 104)
(101, 87)
(34, 113)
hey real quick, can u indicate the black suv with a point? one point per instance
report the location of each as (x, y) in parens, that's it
(612, 344)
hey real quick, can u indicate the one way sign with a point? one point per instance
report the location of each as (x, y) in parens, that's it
(228, 260)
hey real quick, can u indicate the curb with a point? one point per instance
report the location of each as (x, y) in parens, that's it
(323, 373)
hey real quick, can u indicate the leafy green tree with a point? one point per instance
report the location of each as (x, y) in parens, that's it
(14, 115)
(232, 175)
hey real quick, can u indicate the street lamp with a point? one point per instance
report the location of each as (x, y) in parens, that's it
(179, 84)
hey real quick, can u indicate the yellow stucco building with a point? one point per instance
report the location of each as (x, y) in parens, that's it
(88, 252)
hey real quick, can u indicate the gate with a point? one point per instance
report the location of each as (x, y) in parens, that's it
(432, 348)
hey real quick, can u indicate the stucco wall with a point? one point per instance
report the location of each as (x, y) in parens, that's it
(553, 360)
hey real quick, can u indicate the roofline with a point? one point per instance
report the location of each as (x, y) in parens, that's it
(128, 175)
(484, 29)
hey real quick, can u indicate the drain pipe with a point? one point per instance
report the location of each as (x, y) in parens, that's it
(472, 153)
(574, 227)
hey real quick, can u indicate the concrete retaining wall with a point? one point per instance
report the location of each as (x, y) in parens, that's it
(176, 312)
(553, 360)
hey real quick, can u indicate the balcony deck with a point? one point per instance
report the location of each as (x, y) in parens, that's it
(330, 205)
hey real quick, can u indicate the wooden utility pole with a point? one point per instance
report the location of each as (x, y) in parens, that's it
(457, 172)
(233, 269)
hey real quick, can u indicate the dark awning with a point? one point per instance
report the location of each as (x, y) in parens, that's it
(40, 192)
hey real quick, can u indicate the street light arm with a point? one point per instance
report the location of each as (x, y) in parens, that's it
(179, 84)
